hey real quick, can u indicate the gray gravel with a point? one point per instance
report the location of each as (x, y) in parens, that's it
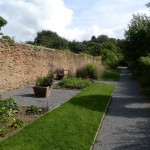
(25, 97)
(126, 125)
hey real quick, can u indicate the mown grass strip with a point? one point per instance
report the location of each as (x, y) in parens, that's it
(71, 126)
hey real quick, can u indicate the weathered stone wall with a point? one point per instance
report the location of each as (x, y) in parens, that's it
(20, 64)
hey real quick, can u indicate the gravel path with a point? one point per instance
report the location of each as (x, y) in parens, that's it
(25, 97)
(126, 125)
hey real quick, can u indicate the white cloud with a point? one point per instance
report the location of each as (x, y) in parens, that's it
(25, 18)
(74, 20)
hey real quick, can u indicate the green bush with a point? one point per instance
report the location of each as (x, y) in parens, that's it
(75, 83)
(17, 123)
(143, 70)
(89, 71)
(109, 58)
(9, 39)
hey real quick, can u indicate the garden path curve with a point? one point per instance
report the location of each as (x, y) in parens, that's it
(126, 125)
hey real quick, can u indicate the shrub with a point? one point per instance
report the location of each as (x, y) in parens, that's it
(3, 132)
(143, 71)
(89, 71)
(73, 82)
(9, 39)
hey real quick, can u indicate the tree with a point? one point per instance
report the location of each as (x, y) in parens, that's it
(77, 47)
(137, 38)
(51, 40)
(102, 38)
(3, 22)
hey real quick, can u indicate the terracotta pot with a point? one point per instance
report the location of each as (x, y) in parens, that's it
(40, 91)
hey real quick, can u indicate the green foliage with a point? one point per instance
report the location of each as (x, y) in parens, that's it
(9, 39)
(17, 123)
(77, 47)
(72, 126)
(137, 38)
(143, 72)
(89, 71)
(50, 39)
(3, 22)
(3, 132)
(93, 48)
(42, 81)
(8, 108)
(33, 110)
(75, 83)
(45, 81)
(109, 58)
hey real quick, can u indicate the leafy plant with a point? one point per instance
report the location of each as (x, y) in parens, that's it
(45, 81)
(34, 110)
(3, 132)
(17, 123)
(76, 83)
(8, 108)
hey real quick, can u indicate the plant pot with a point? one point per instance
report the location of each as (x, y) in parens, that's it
(40, 91)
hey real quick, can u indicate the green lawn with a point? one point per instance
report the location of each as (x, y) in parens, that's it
(112, 75)
(72, 126)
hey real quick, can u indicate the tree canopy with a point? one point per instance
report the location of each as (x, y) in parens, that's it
(137, 37)
(3, 22)
(50, 39)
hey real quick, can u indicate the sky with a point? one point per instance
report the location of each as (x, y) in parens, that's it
(72, 19)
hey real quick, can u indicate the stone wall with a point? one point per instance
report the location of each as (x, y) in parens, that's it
(20, 64)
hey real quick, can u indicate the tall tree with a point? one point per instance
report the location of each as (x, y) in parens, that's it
(3, 22)
(51, 40)
(138, 37)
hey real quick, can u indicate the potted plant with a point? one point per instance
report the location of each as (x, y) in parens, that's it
(43, 85)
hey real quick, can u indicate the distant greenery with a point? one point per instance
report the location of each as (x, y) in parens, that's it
(50, 39)
(91, 71)
(3, 22)
(72, 126)
(97, 46)
(75, 83)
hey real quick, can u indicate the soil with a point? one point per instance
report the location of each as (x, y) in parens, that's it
(26, 118)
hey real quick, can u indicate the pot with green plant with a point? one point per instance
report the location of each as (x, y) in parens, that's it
(43, 85)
